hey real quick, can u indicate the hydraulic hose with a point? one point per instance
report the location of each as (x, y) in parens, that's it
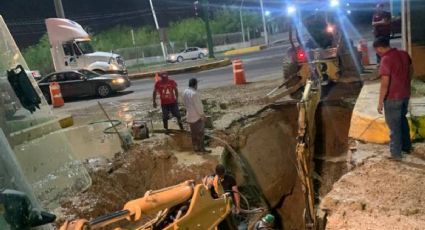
(115, 123)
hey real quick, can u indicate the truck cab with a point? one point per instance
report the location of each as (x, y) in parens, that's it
(71, 49)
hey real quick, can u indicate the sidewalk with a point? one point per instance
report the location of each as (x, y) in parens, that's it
(369, 126)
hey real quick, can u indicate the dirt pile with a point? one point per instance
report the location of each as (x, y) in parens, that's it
(156, 163)
(379, 193)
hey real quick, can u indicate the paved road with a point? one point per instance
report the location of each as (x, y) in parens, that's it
(261, 65)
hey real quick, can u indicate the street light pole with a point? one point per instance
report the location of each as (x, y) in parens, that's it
(242, 27)
(206, 17)
(59, 9)
(266, 37)
(164, 53)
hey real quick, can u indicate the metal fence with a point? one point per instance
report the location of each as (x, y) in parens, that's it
(151, 54)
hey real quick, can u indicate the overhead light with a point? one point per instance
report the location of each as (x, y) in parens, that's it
(330, 29)
(334, 3)
(267, 13)
(291, 10)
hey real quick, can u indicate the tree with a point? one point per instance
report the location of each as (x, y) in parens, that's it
(38, 56)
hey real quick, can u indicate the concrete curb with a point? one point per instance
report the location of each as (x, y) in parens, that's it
(197, 68)
(66, 121)
(369, 126)
(244, 50)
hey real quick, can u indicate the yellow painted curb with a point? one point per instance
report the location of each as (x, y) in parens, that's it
(375, 130)
(66, 121)
(244, 50)
(368, 129)
(196, 68)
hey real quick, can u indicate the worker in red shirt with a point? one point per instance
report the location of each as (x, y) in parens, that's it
(381, 23)
(395, 72)
(168, 93)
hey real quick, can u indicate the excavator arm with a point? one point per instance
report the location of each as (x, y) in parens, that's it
(184, 206)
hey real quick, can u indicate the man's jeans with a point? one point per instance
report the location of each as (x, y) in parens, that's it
(174, 110)
(395, 116)
(197, 131)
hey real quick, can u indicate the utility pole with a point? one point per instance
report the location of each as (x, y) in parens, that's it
(242, 27)
(164, 53)
(205, 12)
(266, 37)
(59, 9)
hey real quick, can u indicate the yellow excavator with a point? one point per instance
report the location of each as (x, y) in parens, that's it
(183, 206)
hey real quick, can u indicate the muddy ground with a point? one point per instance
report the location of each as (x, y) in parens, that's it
(265, 140)
(162, 160)
(379, 193)
(153, 165)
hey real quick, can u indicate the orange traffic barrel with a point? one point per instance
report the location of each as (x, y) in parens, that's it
(237, 66)
(56, 95)
(238, 72)
(157, 77)
(239, 77)
(362, 48)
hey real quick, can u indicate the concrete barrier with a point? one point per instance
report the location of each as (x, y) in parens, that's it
(369, 126)
(196, 68)
(244, 50)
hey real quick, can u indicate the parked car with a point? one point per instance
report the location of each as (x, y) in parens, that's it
(186, 54)
(84, 82)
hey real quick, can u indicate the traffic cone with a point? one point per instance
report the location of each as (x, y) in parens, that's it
(362, 48)
(157, 77)
(56, 95)
(238, 72)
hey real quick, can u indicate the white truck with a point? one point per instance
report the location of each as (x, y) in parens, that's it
(71, 49)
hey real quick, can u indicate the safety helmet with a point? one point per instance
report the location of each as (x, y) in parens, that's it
(269, 218)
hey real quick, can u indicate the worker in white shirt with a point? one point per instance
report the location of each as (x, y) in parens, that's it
(195, 116)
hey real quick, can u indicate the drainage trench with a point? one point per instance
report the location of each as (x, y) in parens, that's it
(267, 141)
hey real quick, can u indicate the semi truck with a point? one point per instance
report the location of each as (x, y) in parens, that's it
(71, 49)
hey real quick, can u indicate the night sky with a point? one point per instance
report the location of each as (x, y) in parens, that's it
(25, 18)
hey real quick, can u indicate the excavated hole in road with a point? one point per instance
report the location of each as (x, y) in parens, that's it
(266, 144)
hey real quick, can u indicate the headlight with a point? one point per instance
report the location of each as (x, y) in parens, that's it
(118, 81)
(173, 57)
(113, 67)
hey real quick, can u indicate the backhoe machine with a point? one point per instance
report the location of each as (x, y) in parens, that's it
(183, 206)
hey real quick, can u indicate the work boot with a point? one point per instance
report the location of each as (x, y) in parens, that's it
(165, 123)
(407, 151)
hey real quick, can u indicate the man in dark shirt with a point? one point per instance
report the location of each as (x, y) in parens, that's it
(395, 72)
(229, 185)
(381, 23)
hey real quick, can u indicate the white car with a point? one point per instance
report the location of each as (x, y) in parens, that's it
(190, 53)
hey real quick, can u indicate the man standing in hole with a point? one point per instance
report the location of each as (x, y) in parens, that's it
(195, 116)
(168, 93)
(228, 183)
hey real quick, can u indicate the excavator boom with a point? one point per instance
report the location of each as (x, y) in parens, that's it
(185, 206)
